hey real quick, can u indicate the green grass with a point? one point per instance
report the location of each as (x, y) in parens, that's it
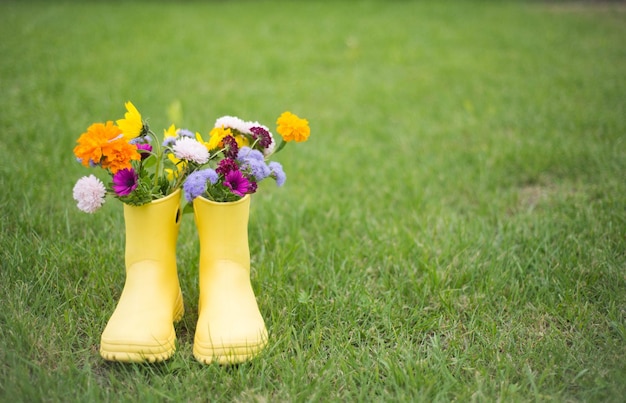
(455, 229)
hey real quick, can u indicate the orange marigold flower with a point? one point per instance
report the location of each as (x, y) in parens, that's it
(89, 148)
(118, 155)
(291, 127)
(104, 144)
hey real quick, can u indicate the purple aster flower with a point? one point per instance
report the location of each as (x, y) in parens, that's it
(124, 181)
(237, 183)
(144, 149)
(277, 173)
(262, 135)
(226, 165)
(196, 182)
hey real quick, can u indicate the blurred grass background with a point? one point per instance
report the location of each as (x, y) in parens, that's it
(453, 229)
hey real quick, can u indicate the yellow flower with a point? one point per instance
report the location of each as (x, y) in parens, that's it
(131, 125)
(291, 127)
(242, 141)
(201, 141)
(170, 132)
(216, 137)
(171, 174)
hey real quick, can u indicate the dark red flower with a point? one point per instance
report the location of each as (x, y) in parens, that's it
(231, 147)
(262, 135)
(226, 165)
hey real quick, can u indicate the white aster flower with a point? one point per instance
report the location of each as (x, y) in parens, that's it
(270, 149)
(90, 193)
(257, 124)
(233, 122)
(190, 149)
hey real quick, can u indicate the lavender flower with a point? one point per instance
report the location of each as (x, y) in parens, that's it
(140, 140)
(277, 173)
(124, 181)
(169, 141)
(185, 133)
(196, 182)
(89, 192)
(246, 153)
(258, 169)
(253, 161)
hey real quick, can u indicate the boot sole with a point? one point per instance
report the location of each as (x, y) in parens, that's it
(208, 353)
(122, 351)
(127, 352)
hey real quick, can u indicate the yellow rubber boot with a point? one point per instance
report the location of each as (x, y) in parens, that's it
(141, 327)
(230, 326)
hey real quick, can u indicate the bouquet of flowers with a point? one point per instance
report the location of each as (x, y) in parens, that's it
(226, 167)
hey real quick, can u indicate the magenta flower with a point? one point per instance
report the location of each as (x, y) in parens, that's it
(252, 187)
(124, 181)
(144, 149)
(237, 183)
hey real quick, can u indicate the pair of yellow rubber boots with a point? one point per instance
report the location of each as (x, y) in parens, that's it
(230, 328)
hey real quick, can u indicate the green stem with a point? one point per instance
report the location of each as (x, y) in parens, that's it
(159, 155)
(282, 145)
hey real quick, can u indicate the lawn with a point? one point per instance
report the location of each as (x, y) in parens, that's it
(454, 229)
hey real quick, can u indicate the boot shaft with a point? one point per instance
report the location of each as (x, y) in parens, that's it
(223, 230)
(152, 230)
